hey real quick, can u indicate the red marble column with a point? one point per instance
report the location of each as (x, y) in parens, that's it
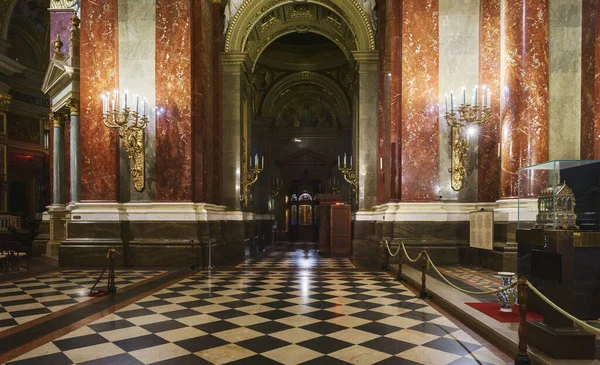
(217, 197)
(590, 81)
(174, 94)
(202, 98)
(489, 76)
(524, 124)
(99, 74)
(420, 74)
(383, 104)
(395, 51)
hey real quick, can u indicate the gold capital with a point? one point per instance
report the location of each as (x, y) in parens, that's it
(58, 120)
(74, 106)
(4, 101)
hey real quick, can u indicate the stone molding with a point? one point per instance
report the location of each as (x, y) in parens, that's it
(504, 211)
(157, 212)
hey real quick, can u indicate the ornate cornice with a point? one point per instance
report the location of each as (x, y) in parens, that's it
(58, 120)
(64, 4)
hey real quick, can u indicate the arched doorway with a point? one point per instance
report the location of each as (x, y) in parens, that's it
(298, 78)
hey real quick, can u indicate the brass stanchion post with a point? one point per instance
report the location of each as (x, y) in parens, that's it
(112, 288)
(522, 358)
(400, 276)
(423, 293)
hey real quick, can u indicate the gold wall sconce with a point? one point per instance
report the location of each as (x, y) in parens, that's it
(250, 177)
(131, 125)
(350, 176)
(463, 122)
(336, 186)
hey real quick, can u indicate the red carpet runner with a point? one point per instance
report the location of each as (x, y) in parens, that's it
(492, 309)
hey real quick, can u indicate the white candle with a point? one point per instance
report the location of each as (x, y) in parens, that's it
(381, 160)
(489, 98)
(446, 96)
(475, 90)
(256, 160)
(263, 162)
(137, 104)
(126, 94)
(344, 160)
(451, 101)
(338, 161)
(350, 161)
(463, 95)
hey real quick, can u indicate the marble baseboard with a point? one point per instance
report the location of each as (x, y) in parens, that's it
(161, 244)
(493, 260)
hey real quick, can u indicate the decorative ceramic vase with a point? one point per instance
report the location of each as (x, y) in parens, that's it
(506, 297)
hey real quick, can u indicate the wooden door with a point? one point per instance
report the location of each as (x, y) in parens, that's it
(340, 236)
(324, 231)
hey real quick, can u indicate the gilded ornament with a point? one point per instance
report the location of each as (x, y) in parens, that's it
(131, 127)
(5, 101)
(75, 22)
(58, 44)
(461, 121)
(58, 120)
(74, 106)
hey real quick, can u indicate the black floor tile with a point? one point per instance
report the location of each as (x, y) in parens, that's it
(112, 325)
(325, 345)
(322, 315)
(201, 343)
(434, 329)
(78, 342)
(371, 315)
(217, 326)
(163, 326)
(324, 328)
(182, 313)
(325, 360)
(420, 316)
(275, 314)
(397, 361)
(7, 322)
(262, 344)
(190, 359)
(135, 313)
(452, 346)
(153, 303)
(255, 360)
(378, 328)
(142, 342)
(270, 327)
(388, 345)
(121, 359)
(53, 359)
(230, 313)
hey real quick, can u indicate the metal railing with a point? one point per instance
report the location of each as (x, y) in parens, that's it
(523, 284)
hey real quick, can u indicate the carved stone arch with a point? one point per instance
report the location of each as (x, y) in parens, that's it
(304, 77)
(6, 7)
(251, 11)
(292, 28)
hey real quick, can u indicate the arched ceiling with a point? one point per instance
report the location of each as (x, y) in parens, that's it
(290, 94)
(257, 23)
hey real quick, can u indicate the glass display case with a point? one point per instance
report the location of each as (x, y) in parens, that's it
(560, 195)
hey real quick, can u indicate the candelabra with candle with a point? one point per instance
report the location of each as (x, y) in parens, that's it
(131, 124)
(336, 187)
(275, 187)
(251, 176)
(462, 122)
(350, 176)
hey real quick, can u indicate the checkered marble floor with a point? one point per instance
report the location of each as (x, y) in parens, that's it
(238, 317)
(24, 300)
(296, 259)
(482, 279)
